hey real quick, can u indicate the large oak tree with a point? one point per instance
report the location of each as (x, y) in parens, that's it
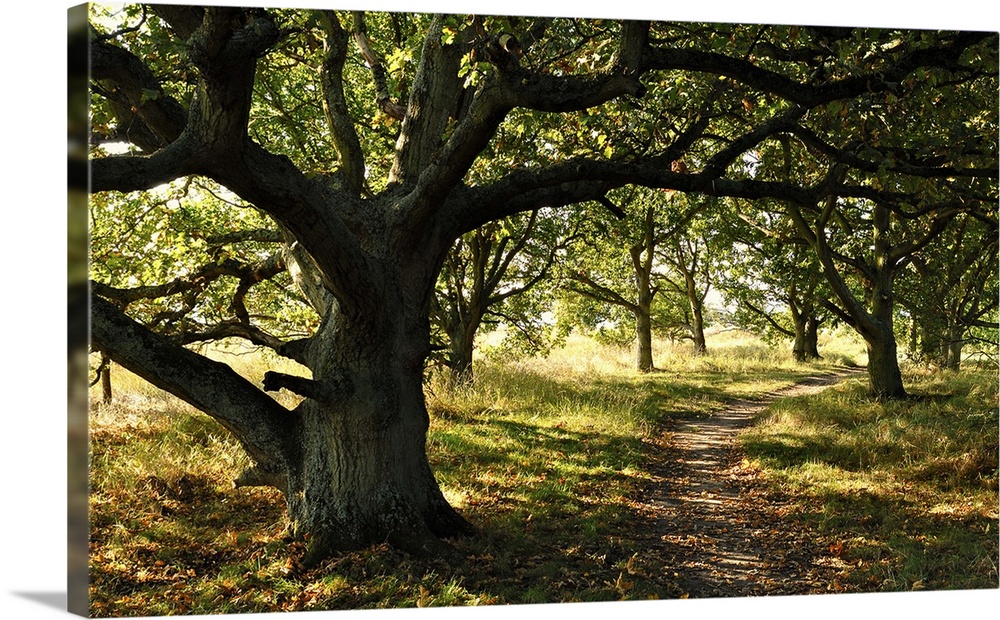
(356, 134)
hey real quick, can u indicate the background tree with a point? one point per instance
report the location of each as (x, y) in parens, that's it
(692, 256)
(494, 276)
(896, 191)
(372, 210)
(620, 267)
(774, 279)
(950, 290)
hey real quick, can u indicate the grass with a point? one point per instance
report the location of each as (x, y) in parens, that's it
(545, 456)
(908, 489)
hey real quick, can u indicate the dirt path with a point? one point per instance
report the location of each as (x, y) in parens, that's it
(710, 523)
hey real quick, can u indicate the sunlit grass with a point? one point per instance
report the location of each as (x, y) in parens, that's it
(910, 487)
(546, 457)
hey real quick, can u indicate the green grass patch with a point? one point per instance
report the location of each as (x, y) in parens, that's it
(906, 491)
(545, 456)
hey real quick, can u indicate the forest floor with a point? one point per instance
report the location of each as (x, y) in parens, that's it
(587, 482)
(710, 519)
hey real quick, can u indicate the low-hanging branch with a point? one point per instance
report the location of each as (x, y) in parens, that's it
(190, 287)
(236, 329)
(767, 317)
(261, 424)
(327, 391)
(596, 291)
(196, 282)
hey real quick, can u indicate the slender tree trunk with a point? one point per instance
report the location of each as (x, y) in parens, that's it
(934, 344)
(914, 341)
(106, 393)
(644, 342)
(643, 324)
(799, 329)
(955, 356)
(642, 264)
(811, 336)
(700, 345)
(953, 359)
(935, 340)
(885, 380)
(697, 315)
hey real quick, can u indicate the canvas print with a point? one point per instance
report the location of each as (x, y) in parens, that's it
(397, 309)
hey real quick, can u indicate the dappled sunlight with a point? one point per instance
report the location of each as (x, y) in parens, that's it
(586, 278)
(900, 480)
(553, 467)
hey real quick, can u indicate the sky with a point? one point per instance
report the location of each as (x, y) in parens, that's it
(33, 309)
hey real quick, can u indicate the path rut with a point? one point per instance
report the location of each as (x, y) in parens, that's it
(711, 524)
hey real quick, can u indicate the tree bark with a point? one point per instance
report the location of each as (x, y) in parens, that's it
(363, 475)
(799, 341)
(644, 342)
(106, 393)
(805, 346)
(953, 359)
(461, 350)
(351, 457)
(697, 314)
(642, 254)
(884, 377)
(885, 381)
(811, 337)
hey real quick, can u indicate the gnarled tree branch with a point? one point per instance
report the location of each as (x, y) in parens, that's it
(264, 428)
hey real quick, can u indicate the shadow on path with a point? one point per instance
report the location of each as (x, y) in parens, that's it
(713, 528)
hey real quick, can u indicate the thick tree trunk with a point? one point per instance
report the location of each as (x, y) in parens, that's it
(362, 474)
(460, 351)
(885, 381)
(351, 458)
(812, 338)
